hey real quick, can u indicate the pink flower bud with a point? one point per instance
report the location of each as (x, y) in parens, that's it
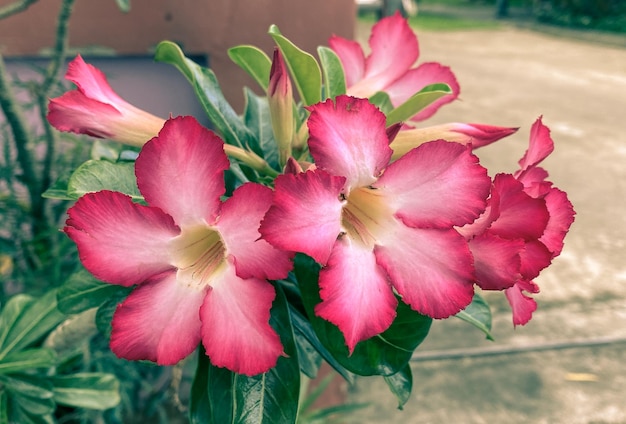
(280, 96)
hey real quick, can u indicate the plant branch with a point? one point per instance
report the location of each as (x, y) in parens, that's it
(15, 7)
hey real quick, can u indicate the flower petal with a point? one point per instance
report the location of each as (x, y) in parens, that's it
(497, 261)
(305, 215)
(236, 333)
(436, 185)
(561, 218)
(76, 113)
(431, 269)
(355, 291)
(238, 225)
(351, 56)
(348, 139)
(523, 306)
(541, 145)
(534, 257)
(181, 171)
(159, 321)
(119, 241)
(394, 49)
(416, 79)
(91, 81)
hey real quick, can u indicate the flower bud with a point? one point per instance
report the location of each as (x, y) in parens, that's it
(280, 96)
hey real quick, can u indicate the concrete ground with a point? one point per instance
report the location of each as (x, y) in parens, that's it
(509, 77)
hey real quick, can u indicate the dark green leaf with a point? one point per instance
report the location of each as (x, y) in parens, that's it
(11, 312)
(417, 102)
(209, 93)
(83, 291)
(254, 61)
(97, 175)
(27, 360)
(87, 390)
(211, 398)
(478, 314)
(257, 118)
(334, 78)
(34, 406)
(107, 309)
(37, 319)
(303, 67)
(401, 384)
(35, 386)
(385, 354)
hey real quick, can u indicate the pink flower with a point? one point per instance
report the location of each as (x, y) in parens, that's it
(377, 227)
(388, 68)
(96, 110)
(522, 229)
(198, 263)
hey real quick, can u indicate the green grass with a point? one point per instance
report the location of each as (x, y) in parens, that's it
(430, 21)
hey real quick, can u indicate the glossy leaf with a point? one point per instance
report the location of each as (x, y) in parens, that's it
(83, 291)
(26, 360)
(303, 67)
(478, 314)
(220, 396)
(35, 320)
(208, 91)
(257, 118)
(97, 175)
(401, 384)
(334, 77)
(417, 102)
(254, 61)
(87, 390)
(385, 354)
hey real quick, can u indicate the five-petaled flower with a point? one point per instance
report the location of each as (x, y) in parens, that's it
(96, 110)
(379, 228)
(394, 50)
(200, 268)
(522, 229)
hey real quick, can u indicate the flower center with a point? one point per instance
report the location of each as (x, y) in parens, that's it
(365, 215)
(199, 254)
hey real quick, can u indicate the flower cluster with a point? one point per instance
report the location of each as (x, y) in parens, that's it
(391, 213)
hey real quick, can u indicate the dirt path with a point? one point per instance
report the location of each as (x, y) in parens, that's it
(510, 77)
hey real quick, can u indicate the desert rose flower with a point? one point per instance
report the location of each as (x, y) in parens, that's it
(96, 110)
(199, 267)
(377, 227)
(522, 229)
(389, 66)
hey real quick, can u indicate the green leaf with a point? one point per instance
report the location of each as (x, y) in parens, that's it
(11, 312)
(385, 354)
(209, 93)
(417, 102)
(87, 390)
(73, 334)
(104, 315)
(28, 385)
(221, 396)
(97, 175)
(27, 360)
(478, 314)
(35, 320)
(382, 101)
(334, 78)
(257, 118)
(34, 406)
(58, 190)
(124, 5)
(83, 291)
(401, 384)
(254, 61)
(303, 67)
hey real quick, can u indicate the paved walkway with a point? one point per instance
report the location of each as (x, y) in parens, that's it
(510, 77)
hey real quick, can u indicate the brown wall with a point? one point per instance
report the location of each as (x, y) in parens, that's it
(206, 27)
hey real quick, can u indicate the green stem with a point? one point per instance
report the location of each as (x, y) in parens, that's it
(15, 7)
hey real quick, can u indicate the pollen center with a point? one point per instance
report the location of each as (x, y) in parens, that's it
(199, 254)
(365, 215)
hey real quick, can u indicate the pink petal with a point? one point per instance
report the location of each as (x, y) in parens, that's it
(479, 135)
(305, 215)
(534, 180)
(236, 333)
(431, 269)
(418, 78)
(394, 49)
(351, 56)
(561, 218)
(497, 261)
(541, 145)
(238, 225)
(436, 185)
(181, 171)
(534, 257)
(521, 216)
(159, 321)
(355, 291)
(74, 112)
(91, 81)
(119, 241)
(523, 306)
(349, 139)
